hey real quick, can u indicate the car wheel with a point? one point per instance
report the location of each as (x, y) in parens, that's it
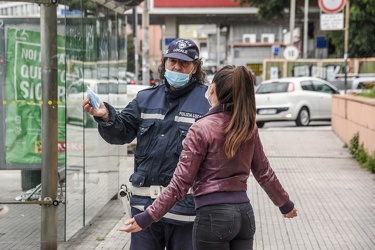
(303, 118)
(260, 124)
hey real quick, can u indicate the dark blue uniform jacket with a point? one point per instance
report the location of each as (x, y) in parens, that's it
(159, 119)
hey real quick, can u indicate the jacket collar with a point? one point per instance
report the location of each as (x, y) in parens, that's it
(215, 110)
(177, 93)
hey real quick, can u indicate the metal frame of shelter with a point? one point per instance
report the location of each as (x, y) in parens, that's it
(48, 24)
(49, 182)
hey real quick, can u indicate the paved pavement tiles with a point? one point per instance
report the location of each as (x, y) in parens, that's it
(334, 196)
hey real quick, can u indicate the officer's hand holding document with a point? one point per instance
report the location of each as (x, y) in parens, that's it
(93, 105)
(94, 98)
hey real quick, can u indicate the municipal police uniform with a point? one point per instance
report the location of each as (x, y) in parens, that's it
(159, 119)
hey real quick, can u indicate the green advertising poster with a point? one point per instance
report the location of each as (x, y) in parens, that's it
(24, 98)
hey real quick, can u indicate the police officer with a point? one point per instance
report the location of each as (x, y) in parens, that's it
(159, 117)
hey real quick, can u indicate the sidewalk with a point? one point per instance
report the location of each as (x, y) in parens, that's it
(103, 233)
(334, 196)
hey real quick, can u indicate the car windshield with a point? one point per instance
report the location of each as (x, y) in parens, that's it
(340, 84)
(273, 87)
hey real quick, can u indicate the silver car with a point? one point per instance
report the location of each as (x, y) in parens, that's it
(299, 99)
(354, 84)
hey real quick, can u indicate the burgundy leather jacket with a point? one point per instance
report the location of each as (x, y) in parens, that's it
(204, 167)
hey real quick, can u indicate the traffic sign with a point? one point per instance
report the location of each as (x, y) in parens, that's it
(168, 41)
(331, 6)
(275, 49)
(333, 21)
(291, 53)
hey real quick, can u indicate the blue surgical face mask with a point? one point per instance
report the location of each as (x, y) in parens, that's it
(206, 95)
(177, 79)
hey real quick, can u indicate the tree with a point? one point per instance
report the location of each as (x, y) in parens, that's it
(270, 9)
(361, 31)
(361, 24)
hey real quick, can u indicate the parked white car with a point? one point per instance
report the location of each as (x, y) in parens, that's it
(299, 99)
(354, 84)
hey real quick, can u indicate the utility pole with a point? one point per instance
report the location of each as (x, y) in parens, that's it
(145, 44)
(217, 46)
(346, 38)
(292, 20)
(135, 41)
(305, 28)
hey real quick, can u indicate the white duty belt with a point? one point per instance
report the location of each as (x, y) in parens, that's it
(153, 192)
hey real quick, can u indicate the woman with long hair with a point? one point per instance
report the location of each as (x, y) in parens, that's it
(219, 152)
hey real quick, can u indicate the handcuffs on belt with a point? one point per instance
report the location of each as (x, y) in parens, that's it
(126, 193)
(125, 196)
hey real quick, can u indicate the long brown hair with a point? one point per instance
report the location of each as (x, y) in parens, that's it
(235, 90)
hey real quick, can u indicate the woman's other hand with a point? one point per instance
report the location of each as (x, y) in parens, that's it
(131, 226)
(291, 214)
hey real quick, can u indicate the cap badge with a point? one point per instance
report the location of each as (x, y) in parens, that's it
(182, 45)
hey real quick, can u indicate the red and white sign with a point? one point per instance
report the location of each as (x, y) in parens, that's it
(332, 6)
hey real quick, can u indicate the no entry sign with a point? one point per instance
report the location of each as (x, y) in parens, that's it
(331, 6)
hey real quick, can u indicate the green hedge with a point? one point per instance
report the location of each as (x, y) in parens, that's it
(358, 151)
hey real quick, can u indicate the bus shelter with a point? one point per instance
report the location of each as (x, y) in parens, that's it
(57, 171)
